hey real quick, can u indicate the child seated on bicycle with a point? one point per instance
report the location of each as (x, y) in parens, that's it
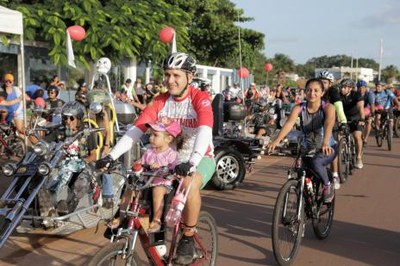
(158, 155)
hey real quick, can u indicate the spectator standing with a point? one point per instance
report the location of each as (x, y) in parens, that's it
(139, 89)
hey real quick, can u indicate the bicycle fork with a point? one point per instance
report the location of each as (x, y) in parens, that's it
(131, 236)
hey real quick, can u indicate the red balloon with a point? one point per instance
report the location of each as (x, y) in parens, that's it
(39, 102)
(167, 34)
(268, 67)
(76, 32)
(243, 73)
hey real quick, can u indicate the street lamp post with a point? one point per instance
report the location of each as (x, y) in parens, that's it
(148, 68)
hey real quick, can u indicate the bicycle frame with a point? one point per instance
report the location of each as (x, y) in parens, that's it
(135, 229)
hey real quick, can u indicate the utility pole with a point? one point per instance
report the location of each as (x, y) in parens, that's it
(380, 60)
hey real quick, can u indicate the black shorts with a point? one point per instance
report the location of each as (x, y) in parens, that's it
(355, 126)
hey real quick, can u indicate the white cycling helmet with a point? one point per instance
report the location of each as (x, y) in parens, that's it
(180, 61)
(325, 74)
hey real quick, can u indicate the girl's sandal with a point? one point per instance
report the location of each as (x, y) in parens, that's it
(114, 223)
(154, 227)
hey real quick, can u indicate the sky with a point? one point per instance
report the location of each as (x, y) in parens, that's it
(312, 28)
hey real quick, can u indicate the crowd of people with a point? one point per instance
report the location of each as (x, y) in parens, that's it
(180, 118)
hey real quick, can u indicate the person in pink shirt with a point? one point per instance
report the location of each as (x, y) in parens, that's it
(160, 154)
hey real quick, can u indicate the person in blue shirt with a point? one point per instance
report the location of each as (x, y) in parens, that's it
(384, 102)
(34, 90)
(369, 107)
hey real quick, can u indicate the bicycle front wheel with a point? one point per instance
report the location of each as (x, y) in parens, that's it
(389, 137)
(323, 216)
(343, 160)
(378, 138)
(397, 126)
(353, 154)
(287, 228)
(206, 240)
(116, 253)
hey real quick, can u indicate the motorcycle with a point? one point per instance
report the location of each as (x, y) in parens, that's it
(29, 205)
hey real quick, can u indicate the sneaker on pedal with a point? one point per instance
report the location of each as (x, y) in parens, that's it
(185, 253)
(359, 164)
(336, 182)
(329, 193)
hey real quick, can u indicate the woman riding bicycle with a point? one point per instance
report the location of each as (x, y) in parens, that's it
(316, 120)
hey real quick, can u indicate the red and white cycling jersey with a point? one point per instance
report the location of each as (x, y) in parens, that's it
(193, 111)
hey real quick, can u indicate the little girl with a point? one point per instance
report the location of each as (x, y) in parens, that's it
(159, 154)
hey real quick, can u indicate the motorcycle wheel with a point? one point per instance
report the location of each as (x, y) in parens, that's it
(230, 169)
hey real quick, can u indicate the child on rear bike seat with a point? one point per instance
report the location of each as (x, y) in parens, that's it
(158, 155)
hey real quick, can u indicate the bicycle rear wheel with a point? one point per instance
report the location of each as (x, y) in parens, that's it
(343, 160)
(16, 148)
(115, 254)
(287, 229)
(323, 214)
(206, 240)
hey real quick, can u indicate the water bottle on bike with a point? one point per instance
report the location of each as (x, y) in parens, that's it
(175, 212)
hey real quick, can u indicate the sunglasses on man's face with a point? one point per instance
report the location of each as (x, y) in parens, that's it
(52, 92)
(66, 117)
(8, 81)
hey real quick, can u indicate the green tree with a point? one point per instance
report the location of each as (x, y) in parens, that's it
(390, 73)
(213, 34)
(117, 29)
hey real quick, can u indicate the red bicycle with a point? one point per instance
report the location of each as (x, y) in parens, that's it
(121, 250)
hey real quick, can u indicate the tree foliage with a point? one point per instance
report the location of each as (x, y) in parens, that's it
(117, 29)
(390, 74)
(122, 29)
(214, 35)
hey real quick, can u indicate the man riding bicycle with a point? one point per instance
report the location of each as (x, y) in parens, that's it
(192, 109)
(353, 105)
(384, 102)
(332, 95)
(369, 107)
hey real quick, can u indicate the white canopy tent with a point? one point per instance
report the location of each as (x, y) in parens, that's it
(11, 22)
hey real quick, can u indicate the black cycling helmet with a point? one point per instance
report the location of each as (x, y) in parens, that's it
(180, 61)
(74, 108)
(53, 88)
(347, 82)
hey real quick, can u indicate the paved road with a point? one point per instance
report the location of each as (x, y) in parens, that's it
(366, 229)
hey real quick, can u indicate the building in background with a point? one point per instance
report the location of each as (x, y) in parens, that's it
(367, 74)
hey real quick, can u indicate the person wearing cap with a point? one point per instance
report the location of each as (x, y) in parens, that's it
(160, 154)
(12, 103)
(192, 109)
(384, 102)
